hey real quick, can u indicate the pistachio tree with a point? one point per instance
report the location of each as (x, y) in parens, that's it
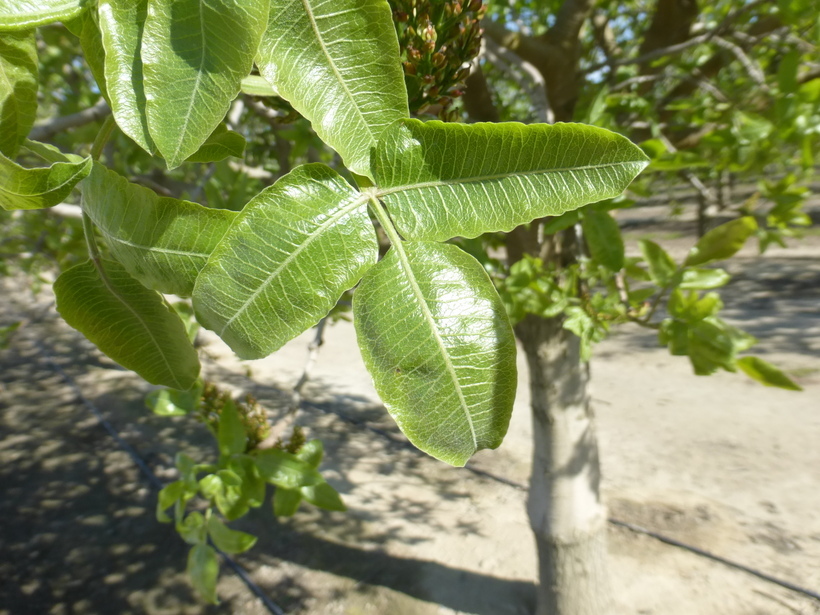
(431, 326)
(402, 210)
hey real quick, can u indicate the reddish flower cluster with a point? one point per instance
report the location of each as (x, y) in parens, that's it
(438, 40)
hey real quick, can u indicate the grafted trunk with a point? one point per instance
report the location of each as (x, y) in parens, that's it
(564, 506)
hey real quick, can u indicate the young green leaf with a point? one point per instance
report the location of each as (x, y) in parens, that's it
(203, 570)
(231, 434)
(228, 540)
(194, 56)
(337, 62)
(128, 322)
(311, 453)
(606, 246)
(445, 180)
(170, 402)
(167, 497)
(286, 501)
(221, 144)
(766, 373)
(163, 242)
(22, 188)
(121, 24)
(323, 496)
(93, 49)
(661, 266)
(722, 242)
(703, 279)
(284, 470)
(192, 528)
(436, 340)
(18, 89)
(28, 14)
(288, 257)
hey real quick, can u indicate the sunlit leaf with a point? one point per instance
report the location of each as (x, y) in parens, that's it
(128, 322)
(286, 502)
(337, 62)
(722, 242)
(606, 246)
(436, 340)
(163, 242)
(284, 470)
(203, 570)
(766, 373)
(22, 188)
(221, 144)
(194, 55)
(231, 434)
(660, 264)
(323, 496)
(228, 540)
(27, 14)
(445, 180)
(121, 24)
(18, 89)
(288, 257)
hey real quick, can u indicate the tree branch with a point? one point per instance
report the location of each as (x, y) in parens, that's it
(43, 131)
(512, 64)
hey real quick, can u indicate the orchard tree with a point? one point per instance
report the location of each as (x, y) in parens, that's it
(413, 214)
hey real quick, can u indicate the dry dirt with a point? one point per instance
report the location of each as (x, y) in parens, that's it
(721, 463)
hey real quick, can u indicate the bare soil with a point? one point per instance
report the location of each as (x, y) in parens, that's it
(720, 463)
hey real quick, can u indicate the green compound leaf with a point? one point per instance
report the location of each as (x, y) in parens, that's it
(766, 373)
(661, 266)
(18, 89)
(704, 279)
(93, 50)
(445, 180)
(221, 144)
(323, 496)
(27, 14)
(228, 540)
(436, 340)
(606, 245)
(121, 24)
(195, 54)
(231, 433)
(286, 260)
(722, 242)
(337, 62)
(285, 470)
(163, 242)
(128, 322)
(203, 570)
(286, 502)
(22, 188)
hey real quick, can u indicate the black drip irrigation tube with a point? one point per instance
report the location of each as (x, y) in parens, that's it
(274, 608)
(613, 521)
(153, 479)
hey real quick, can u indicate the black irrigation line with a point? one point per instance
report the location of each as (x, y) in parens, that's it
(613, 521)
(276, 609)
(156, 483)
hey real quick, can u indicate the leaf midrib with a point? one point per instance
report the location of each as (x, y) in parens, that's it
(148, 248)
(104, 277)
(195, 89)
(382, 192)
(431, 322)
(357, 202)
(332, 64)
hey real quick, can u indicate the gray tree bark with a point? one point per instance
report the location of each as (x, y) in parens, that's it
(564, 505)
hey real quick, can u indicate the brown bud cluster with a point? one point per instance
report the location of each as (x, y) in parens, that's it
(251, 414)
(438, 40)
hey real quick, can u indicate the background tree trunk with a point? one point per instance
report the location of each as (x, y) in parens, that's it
(564, 505)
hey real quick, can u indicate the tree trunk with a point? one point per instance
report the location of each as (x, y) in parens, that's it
(564, 505)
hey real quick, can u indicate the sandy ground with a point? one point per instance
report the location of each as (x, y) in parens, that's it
(721, 463)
